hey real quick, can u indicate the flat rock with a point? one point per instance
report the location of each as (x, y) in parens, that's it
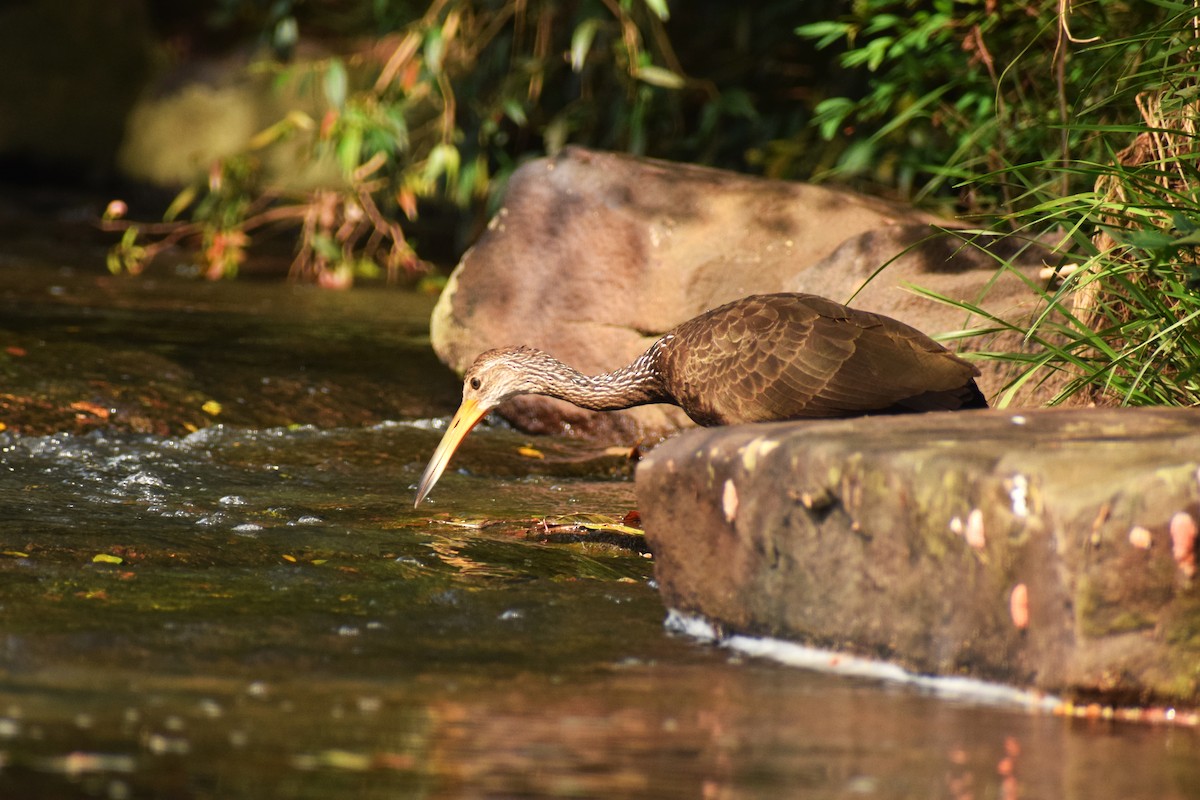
(1049, 549)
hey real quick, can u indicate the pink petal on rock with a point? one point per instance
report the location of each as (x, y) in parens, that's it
(1183, 542)
(1018, 606)
(1139, 537)
(974, 531)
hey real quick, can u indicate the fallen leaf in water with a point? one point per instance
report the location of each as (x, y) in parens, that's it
(530, 452)
(85, 407)
(13, 350)
(211, 407)
(398, 761)
(470, 524)
(14, 553)
(80, 763)
(286, 557)
(591, 522)
(333, 759)
(105, 558)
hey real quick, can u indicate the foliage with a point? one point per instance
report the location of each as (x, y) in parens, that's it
(1121, 317)
(433, 108)
(958, 92)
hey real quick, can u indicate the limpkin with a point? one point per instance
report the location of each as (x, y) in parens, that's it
(762, 358)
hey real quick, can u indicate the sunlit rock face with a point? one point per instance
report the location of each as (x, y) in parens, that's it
(594, 255)
(1048, 549)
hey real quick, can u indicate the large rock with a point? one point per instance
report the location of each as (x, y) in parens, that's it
(1051, 549)
(596, 254)
(207, 109)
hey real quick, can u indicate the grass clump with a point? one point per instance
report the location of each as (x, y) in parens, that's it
(1096, 157)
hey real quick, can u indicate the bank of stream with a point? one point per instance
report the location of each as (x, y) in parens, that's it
(213, 585)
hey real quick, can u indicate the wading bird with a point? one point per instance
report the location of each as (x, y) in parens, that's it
(763, 358)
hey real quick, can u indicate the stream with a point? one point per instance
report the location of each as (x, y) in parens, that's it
(213, 584)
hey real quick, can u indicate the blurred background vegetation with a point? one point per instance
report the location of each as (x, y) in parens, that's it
(1051, 120)
(423, 106)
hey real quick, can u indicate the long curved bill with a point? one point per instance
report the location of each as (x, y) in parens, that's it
(467, 416)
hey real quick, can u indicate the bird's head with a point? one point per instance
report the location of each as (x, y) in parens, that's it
(507, 372)
(495, 376)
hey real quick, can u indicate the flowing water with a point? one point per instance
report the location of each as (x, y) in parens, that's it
(253, 609)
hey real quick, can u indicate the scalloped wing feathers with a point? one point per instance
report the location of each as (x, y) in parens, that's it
(789, 356)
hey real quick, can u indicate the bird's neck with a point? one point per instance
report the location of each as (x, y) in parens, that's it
(634, 385)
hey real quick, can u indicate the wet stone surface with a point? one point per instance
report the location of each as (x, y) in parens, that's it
(168, 356)
(1052, 549)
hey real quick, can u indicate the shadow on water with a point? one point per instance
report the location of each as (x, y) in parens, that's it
(255, 610)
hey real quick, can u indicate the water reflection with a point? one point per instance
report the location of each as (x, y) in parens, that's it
(629, 730)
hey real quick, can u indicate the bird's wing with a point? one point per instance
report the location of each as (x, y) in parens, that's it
(791, 356)
(887, 363)
(729, 365)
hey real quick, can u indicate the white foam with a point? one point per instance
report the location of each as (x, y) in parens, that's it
(971, 690)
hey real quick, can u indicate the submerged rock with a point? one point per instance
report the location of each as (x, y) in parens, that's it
(1049, 549)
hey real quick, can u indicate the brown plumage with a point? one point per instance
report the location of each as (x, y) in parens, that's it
(762, 358)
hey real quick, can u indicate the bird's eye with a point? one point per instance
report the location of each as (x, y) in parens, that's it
(476, 383)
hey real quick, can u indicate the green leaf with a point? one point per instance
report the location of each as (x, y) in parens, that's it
(181, 201)
(1183, 223)
(858, 158)
(658, 76)
(659, 7)
(286, 34)
(349, 149)
(444, 159)
(830, 114)
(515, 111)
(365, 268)
(870, 55)
(826, 33)
(325, 247)
(1149, 239)
(581, 42)
(435, 49)
(1190, 239)
(881, 22)
(555, 133)
(336, 83)
(397, 126)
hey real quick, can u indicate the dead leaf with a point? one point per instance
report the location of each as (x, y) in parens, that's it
(592, 522)
(85, 407)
